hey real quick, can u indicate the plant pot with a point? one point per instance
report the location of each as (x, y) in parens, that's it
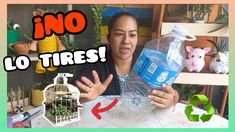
(48, 44)
(199, 21)
(12, 37)
(20, 48)
(37, 97)
(40, 69)
(33, 46)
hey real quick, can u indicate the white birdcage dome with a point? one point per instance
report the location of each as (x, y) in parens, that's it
(61, 101)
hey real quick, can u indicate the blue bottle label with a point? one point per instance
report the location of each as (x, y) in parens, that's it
(153, 68)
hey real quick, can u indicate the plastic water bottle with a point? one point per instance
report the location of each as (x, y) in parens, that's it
(159, 63)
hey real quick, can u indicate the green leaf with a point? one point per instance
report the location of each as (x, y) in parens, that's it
(218, 28)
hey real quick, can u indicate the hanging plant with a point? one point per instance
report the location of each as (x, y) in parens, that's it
(221, 19)
(40, 12)
(201, 11)
(13, 35)
(218, 46)
(70, 46)
(97, 16)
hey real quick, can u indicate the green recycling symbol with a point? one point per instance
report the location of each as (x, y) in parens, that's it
(194, 101)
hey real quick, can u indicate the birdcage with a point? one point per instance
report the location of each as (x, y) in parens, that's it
(61, 101)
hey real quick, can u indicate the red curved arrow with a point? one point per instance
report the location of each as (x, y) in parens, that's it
(95, 110)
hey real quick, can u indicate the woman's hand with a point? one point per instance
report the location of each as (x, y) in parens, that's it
(164, 99)
(93, 89)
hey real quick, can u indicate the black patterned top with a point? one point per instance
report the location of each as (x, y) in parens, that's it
(122, 81)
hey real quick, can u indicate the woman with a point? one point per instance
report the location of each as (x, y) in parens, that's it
(109, 78)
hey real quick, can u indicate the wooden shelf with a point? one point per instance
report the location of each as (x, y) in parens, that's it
(202, 78)
(32, 57)
(197, 29)
(26, 101)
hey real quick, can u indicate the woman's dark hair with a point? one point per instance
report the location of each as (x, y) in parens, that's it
(116, 17)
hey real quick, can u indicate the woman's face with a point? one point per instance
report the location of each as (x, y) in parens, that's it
(123, 37)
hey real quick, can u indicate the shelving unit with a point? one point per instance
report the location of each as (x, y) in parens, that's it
(200, 29)
(32, 57)
(202, 79)
(197, 29)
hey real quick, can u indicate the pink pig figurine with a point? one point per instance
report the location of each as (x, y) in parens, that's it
(195, 61)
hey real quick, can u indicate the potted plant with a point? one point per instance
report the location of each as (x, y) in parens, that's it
(70, 46)
(219, 62)
(37, 93)
(188, 90)
(97, 16)
(12, 33)
(13, 40)
(201, 10)
(221, 19)
(28, 34)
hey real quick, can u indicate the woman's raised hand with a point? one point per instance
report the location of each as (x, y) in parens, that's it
(93, 89)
